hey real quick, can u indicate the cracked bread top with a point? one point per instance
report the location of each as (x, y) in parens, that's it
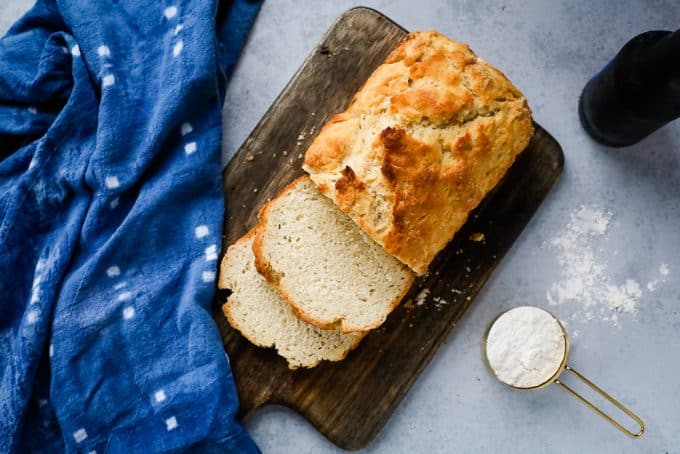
(430, 133)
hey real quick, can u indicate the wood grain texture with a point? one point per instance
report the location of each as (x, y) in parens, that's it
(350, 401)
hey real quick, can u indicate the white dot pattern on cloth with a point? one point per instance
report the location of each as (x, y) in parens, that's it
(171, 423)
(159, 395)
(208, 276)
(186, 128)
(114, 203)
(112, 182)
(190, 148)
(33, 110)
(177, 48)
(103, 51)
(51, 350)
(201, 231)
(113, 271)
(108, 80)
(35, 292)
(211, 253)
(80, 435)
(32, 317)
(42, 402)
(128, 312)
(92, 452)
(125, 296)
(40, 265)
(178, 29)
(170, 12)
(75, 50)
(32, 163)
(120, 285)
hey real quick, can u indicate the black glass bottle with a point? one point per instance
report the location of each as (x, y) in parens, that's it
(636, 93)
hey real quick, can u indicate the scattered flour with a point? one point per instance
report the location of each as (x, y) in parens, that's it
(664, 271)
(651, 285)
(582, 274)
(584, 278)
(623, 298)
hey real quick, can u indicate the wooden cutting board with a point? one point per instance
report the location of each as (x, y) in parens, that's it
(350, 401)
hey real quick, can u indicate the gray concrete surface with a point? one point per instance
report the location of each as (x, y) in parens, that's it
(549, 49)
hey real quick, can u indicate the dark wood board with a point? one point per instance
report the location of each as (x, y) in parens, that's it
(350, 401)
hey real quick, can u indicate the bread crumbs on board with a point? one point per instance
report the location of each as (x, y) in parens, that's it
(477, 237)
(439, 301)
(422, 296)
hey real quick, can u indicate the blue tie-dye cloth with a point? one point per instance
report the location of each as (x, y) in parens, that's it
(111, 210)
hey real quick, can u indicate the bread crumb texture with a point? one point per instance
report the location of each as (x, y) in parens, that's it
(257, 310)
(431, 132)
(330, 272)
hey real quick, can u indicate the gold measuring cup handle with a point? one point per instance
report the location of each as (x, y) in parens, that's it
(615, 402)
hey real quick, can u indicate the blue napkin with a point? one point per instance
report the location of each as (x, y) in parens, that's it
(111, 209)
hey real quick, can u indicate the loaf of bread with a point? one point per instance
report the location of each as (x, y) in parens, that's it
(256, 309)
(431, 132)
(330, 272)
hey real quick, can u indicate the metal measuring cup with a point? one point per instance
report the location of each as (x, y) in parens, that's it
(560, 367)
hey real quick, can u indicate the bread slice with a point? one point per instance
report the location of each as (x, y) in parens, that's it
(330, 272)
(256, 309)
(431, 132)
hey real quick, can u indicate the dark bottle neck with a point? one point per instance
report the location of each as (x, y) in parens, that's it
(637, 92)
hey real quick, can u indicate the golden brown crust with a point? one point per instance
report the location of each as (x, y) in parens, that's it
(261, 265)
(431, 132)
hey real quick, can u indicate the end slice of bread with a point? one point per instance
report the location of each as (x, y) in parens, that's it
(256, 309)
(330, 272)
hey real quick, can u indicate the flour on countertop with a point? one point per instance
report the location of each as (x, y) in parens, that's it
(623, 298)
(525, 347)
(584, 277)
(582, 273)
(651, 285)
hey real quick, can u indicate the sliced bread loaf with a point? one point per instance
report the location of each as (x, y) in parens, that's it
(256, 309)
(330, 272)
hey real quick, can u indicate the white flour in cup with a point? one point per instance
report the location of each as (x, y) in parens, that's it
(525, 347)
